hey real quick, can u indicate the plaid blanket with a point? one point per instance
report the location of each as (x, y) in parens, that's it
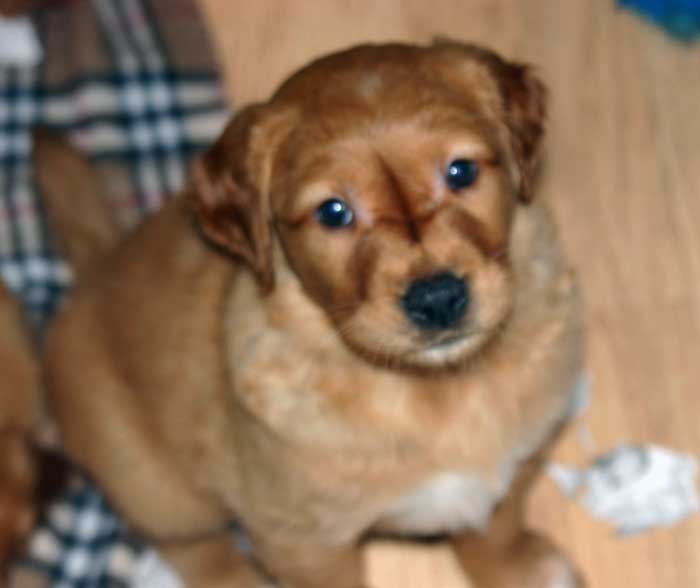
(133, 82)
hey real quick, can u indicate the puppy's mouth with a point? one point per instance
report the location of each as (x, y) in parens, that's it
(449, 349)
(447, 342)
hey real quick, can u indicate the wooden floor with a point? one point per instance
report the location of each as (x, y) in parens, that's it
(623, 173)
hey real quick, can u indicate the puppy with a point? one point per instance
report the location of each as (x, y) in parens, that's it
(19, 398)
(352, 323)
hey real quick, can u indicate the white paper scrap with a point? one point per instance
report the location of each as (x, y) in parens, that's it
(634, 487)
(152, 572)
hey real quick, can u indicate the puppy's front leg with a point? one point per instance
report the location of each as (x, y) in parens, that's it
(508, 554)
(311, 564)
(212, 563)
(526, 560)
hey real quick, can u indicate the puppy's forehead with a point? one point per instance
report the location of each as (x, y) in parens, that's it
(375, 92)
(395, 105)
(391, 80)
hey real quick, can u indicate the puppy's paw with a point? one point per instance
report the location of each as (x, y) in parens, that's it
(532, 561)
(538, 563)
(16, 519)
(16, 493)
(555, 572)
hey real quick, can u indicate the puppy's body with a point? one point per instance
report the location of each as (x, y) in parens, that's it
(319, 441)
(194, 400)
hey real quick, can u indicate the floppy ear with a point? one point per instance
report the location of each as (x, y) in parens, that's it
(230, 192)
(522, 108)
(525, 103)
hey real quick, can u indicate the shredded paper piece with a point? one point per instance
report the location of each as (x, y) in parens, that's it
(634, 487)
(152, 572)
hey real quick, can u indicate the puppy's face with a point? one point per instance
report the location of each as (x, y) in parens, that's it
(390, 177)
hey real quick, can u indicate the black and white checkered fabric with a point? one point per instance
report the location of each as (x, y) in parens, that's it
(134, 84)
(82, 544)
(139, 115)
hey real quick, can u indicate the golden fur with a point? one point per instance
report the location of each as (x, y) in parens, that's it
(235, 359)
(19, 399)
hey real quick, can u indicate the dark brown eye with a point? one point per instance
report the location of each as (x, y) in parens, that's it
(335, 214)
(461, 173)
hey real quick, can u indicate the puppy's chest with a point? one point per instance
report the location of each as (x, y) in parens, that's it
(387, 461)
(444, 502)
(459, 492)
(461, 497)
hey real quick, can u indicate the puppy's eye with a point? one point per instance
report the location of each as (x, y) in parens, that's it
(335, 214)
(462, 173)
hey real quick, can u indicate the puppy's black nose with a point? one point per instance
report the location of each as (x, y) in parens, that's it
(437, 302)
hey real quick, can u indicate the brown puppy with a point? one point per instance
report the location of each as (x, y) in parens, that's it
(352, 323)
(19, 398)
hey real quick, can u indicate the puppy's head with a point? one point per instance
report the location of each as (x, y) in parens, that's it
(389, 175)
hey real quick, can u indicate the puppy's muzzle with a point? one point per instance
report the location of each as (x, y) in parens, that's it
(438, 302)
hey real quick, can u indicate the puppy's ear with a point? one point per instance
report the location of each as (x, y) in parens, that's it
(522, 107)
(230, 192)
(525, 103)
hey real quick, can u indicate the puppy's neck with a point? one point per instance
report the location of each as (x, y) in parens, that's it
(287, 314)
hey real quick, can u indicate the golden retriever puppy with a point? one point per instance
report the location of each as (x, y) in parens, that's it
(353, 323)
(19, 398)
